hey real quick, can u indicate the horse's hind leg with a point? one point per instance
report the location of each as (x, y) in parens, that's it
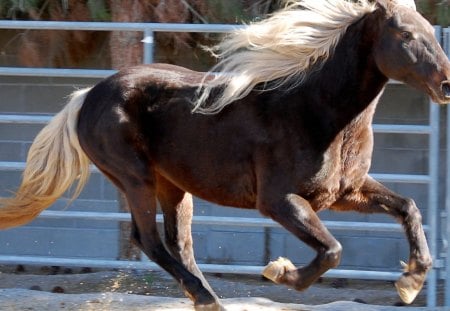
(296, 215)
(177, 207)
(141, 199)
(375, 198)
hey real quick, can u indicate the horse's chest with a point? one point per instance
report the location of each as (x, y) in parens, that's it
(344, 167)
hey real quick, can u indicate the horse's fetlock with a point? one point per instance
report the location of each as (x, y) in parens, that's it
(195, 286)
(203, 298)
(423, 264)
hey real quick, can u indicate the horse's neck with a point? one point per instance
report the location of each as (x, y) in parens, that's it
(350, 80)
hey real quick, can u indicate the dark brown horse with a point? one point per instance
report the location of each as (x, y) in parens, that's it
(285, 128)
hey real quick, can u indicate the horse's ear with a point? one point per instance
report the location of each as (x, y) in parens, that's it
(384, 5)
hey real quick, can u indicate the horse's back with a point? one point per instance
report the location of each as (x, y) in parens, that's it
(115, 110)
(136, 88)
(127, 87)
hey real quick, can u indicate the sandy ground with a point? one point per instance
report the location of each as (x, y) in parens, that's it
(20, 299)
(54, 289)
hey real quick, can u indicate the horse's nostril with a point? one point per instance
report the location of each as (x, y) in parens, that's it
(445, 86)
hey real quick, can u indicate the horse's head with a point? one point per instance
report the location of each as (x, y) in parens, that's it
(407, 50)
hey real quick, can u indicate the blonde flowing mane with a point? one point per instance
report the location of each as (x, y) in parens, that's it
(284, 48)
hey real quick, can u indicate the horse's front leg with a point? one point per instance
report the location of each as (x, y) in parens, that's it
(375, 198)
(296, 215)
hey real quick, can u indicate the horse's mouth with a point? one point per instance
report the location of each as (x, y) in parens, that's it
(445, 89)
(441, 94)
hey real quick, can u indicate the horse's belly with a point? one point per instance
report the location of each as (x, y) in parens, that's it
(221, 187)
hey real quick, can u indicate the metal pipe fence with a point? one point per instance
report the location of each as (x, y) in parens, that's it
(148, 29)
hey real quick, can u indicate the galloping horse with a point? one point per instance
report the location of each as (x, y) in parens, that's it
(282, 124)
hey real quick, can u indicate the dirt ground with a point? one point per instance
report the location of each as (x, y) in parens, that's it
(50, 286)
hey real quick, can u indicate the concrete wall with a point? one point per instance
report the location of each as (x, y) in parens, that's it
(213, 244)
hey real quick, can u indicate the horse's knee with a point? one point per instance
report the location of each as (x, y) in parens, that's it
(332, 257)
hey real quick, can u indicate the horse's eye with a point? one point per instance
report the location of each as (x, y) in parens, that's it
(406, 35)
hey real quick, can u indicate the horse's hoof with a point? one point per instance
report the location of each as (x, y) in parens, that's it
(210, 307)
(275, 270)
(409, 286)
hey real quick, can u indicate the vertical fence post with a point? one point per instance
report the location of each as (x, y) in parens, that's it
(433, 196)
(446, 227)
(433, 192)
(149, 43)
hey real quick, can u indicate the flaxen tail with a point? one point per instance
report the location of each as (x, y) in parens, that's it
(55, 161)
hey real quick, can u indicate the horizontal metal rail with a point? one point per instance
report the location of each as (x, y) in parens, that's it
(208, 268)
(401, 178)
(401, 129)
(225, 221)
(55, 72)
(25, 118)
(147, 29)
(117, 26)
